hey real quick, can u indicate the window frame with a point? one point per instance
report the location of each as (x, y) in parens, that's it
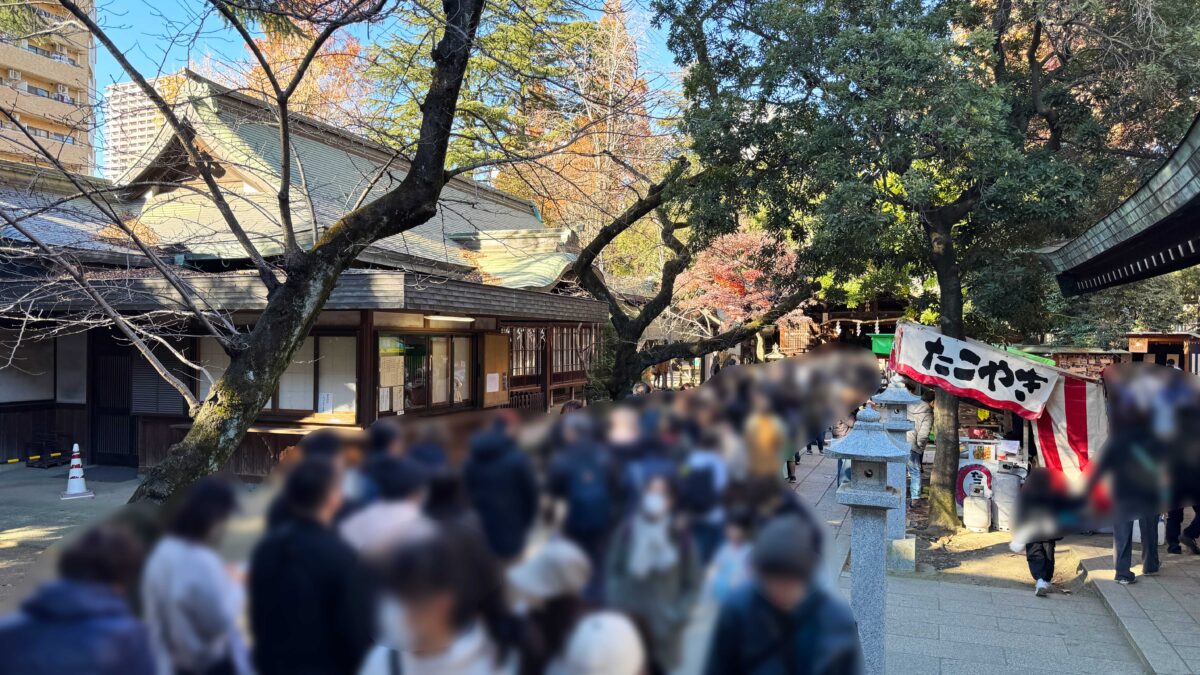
(452, 339)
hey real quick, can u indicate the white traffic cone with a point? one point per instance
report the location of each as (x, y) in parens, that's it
(76, 485)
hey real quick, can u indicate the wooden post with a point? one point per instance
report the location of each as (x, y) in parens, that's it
(547, 366)
(367, 371)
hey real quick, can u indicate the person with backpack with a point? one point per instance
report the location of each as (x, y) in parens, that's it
(700, 490)
(585, 480)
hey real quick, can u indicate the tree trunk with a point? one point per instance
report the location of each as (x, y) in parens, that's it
(237, 398)
(627, 369)
(942, 487)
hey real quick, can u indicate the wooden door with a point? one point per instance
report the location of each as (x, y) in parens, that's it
(495, 370)
(113, 431)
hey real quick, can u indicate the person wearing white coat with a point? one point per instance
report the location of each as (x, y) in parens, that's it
(191, 602)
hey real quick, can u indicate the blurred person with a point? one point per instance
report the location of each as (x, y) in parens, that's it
(446, 499)
(701, 489)
(1178, 534)
(586, 480)
(730, 569)
(385, 437)
(1132, 462)
(654, 572)
(190, 598)
(603, 643)
(782, 622)
(81, 623)
(651, 458)
(444, 612)
(323, 444)
(395, 514)
(309, 607)
(766, 441)
(1042, 504)
(640, 388)
(502, 487)
(921, 416)
(429, 447)
(548, 586)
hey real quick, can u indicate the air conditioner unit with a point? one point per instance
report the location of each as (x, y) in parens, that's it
(64, 89)
(14, 74)
(59, 49)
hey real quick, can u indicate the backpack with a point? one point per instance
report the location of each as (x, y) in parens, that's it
(698, 493)
(589, 505)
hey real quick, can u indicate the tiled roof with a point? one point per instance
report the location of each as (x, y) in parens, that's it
(1175, 184)
(356, 289)
(330, 172)
(74, 224)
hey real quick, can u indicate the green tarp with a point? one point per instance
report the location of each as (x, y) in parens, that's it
(881, 345)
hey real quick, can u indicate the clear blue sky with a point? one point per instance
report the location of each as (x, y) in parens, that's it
(162, 36)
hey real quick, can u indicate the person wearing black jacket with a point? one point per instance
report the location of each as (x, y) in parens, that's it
(586, 479)
(781, 624)
(503, 489)
(310, 608)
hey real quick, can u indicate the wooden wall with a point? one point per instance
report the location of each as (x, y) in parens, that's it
(254, 458)
(21, 423)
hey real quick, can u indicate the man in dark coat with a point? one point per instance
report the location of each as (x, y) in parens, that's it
(310, 608)
(502, 487)
(587, 480)
(780, 624)
(81, 624)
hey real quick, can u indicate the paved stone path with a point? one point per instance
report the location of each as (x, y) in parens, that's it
(950, 628)
(33, 517)
(1160, 614)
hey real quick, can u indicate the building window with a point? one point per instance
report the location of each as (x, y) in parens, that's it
(525, 355)
(573, 349)
(421, 372)
(321, 378)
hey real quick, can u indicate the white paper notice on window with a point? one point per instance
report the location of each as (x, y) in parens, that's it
(325, 402)
(493, 382)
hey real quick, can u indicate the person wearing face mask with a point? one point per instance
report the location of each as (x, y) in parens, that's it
(654, 572)
(191, 600)
(444, 611)
(310, 608)
(782, 622)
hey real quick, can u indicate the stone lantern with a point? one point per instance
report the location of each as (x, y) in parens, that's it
(894, 402)
(869, 497)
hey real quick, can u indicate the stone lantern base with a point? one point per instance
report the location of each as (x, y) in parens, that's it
(902, 554)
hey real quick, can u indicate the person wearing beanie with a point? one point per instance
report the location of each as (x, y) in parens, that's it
(782, 622)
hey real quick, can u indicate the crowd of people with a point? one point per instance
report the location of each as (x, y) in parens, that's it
(1147, 471)
(583, 551)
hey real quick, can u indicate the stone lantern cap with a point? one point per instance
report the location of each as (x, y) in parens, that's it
(868, 442)
(895, 394)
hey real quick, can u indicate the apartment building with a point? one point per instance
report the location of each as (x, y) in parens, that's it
(48, 83)
(131, 125)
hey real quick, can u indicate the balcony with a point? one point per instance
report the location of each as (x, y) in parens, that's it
(34, 49)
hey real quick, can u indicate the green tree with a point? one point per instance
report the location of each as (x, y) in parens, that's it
(527, 51)
(939, 135)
